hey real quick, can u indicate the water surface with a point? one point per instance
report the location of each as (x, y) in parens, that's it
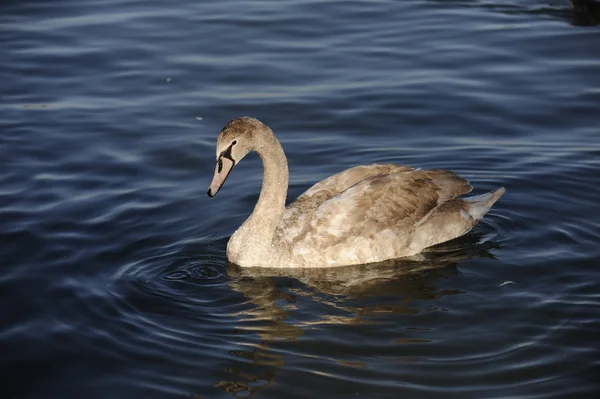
(114, 281)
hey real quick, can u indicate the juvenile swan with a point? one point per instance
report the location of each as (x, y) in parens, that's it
(365, 214)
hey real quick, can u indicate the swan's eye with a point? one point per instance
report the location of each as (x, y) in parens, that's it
(234, 142)
(220, 165)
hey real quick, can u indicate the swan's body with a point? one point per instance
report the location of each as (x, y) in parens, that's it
(365, 214)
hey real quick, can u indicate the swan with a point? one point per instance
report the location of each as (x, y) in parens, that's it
(365, 214)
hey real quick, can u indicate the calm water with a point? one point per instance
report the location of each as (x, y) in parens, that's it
(114, 281)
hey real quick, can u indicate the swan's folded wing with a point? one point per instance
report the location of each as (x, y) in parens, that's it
(295, 220)
(396, 202)
(374, 217)
(340, 182)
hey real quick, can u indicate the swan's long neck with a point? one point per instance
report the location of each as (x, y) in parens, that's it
(253, 240)
(271, 202)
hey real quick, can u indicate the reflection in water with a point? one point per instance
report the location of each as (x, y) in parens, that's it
(349, 295)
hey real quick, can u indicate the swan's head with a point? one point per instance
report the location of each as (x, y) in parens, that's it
(236, 139)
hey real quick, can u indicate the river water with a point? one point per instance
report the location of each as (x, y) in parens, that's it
(114, 281)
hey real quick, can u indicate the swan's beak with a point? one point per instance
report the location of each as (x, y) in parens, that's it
(222, 170)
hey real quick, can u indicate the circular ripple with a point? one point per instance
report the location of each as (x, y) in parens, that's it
(191, 270)
(176, 275)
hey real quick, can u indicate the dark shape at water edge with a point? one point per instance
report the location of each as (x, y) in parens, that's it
(587, 12)
(580, 12)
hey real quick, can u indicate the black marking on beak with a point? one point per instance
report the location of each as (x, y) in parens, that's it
(227, 154)
(209, 193)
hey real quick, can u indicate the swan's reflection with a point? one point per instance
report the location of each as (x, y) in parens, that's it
(340, 296)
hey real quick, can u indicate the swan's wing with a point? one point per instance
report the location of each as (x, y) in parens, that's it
(396, 201)
(301, 211)
(340, 182)
(376, 211)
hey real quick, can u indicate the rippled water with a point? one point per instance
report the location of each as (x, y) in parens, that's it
(114, 281)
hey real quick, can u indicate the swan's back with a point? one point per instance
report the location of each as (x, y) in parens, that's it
(372, 213)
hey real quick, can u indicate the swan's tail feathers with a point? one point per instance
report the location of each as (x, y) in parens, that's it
(479, 205)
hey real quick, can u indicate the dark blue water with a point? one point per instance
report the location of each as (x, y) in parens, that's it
(113, 276)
